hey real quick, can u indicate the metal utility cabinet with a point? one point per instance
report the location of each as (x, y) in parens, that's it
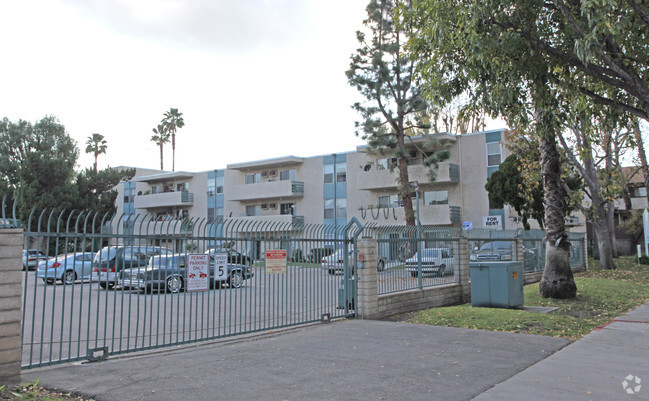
(497, 284)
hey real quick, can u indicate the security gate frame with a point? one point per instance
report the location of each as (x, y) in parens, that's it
(65, 323)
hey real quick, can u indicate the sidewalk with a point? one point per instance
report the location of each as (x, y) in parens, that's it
(603, 365)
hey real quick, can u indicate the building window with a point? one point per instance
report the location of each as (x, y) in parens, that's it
(388, 201)
(639, 192)
(129, 195)
(219, 185)
(436, 198)
(387, 163)
(493, 154)
(329, 209)
(287, 175)
(341, 172)
(253, 210)
(287, 208)
(210, 186)
(328, 173)
(182, 187)
(253, 178)
(341, 208)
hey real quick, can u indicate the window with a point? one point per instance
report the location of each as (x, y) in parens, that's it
(386, 164)
(341, 172)
(639, 192)
(493, 154)
(219, 185)
(287, 208)
(182, 187)
(341, 208)
(388, 201)
(253, 210)
(129, 195)
(211, 186)
(287, 175)
(329, 209)
(253, 178)
(328, 173)
(436, 198)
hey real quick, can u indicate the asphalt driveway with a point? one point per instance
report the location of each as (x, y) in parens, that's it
(343, 360)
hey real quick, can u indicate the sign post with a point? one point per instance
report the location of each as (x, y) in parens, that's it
(645, 225)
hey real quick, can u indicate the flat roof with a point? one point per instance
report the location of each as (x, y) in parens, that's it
(274, 162)
(165, 176)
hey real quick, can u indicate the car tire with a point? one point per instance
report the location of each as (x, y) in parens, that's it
(48, 281)
(236, 279)
(380, 266)
(69, 277)
(174, 284)
(414, 274)
(441, 271)
(109, 286)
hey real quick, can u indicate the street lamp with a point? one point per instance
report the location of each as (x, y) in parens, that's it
(415, 184)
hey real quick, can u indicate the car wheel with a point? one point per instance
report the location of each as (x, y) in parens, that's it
(48, 280)
(414, 274)
(174, 284)
(236, 279)
(107, 285)
(381, 265)
(441, 271)
(69, 277)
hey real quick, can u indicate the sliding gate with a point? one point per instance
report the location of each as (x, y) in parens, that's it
(82, 320)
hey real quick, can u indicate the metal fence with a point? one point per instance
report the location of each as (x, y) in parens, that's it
(415, 257)
(78, 307)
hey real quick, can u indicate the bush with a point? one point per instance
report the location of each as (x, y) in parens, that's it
(644, 260)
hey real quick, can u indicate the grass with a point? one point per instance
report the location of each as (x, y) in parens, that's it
(602, 295)
(34, 392)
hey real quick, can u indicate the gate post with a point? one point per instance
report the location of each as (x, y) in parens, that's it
(368, 298)
(465, 283)
(11, 244)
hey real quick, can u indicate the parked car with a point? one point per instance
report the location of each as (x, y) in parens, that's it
(234, 257)
(169, 272)
(501, 250)
(109, 261)
(31, 257)
(433, 261)
(335, 263)
(66, 268)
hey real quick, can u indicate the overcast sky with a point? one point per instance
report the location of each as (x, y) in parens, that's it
(254, 79)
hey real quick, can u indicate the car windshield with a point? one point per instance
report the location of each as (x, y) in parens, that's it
(496, 245)
(105, 255)
(429, 253)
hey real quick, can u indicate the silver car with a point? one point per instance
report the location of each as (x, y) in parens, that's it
(31, 258)
(66, 268)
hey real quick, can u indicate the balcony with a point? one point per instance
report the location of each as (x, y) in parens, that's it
(428, 215)
(268, 222)
(267, 190)
(386, 179)
(164, 199)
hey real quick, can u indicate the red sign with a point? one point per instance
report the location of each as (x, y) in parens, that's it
(276, 261)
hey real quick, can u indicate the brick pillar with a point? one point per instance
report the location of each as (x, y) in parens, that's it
(11, 245)
(520, 255)
(463, 256)
(368, 298)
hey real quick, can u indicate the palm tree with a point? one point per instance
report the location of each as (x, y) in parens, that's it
(172, 121)
(97, 145)
(160, 137)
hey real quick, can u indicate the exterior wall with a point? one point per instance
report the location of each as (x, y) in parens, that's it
(11, 244)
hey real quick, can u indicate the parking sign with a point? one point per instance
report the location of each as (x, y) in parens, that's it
(198, 272)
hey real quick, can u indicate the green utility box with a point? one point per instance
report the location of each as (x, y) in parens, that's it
(497, 284)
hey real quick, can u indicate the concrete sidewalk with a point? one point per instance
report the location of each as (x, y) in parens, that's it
(344, 360)
(610, 363)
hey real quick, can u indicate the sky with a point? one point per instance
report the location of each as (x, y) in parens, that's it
(254, 79)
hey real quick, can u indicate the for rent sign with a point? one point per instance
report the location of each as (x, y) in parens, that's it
(198, 272)
(492, 222)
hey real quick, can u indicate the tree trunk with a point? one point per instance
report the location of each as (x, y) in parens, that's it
(161, 156)
(610, 221)
(404, 182)
(642, 155)
(557, 281)
(173, 151)
(602, 236)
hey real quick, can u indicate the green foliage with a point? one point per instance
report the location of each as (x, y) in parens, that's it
(172, 120)
(316, 254)
(393, 109)
(95, 189)
(96, 144)
(298, 256)
(160, 137)
(644, 260)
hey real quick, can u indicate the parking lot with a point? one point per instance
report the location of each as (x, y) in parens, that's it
(61, 322)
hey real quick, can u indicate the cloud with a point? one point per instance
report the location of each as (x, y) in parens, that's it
(221, 25)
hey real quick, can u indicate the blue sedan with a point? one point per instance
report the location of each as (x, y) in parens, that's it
(66, 268)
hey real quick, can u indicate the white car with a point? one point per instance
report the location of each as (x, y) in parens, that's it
(66, 268)
(335, 263)
(31, 258)
(433, 261)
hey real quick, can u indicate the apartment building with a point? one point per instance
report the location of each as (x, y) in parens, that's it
(328, 189)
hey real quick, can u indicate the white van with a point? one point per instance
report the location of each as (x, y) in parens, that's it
(437, 261)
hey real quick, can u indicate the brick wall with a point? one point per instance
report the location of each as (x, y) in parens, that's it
(11, 245)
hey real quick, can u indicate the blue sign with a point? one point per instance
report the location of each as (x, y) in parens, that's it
(467, 225)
